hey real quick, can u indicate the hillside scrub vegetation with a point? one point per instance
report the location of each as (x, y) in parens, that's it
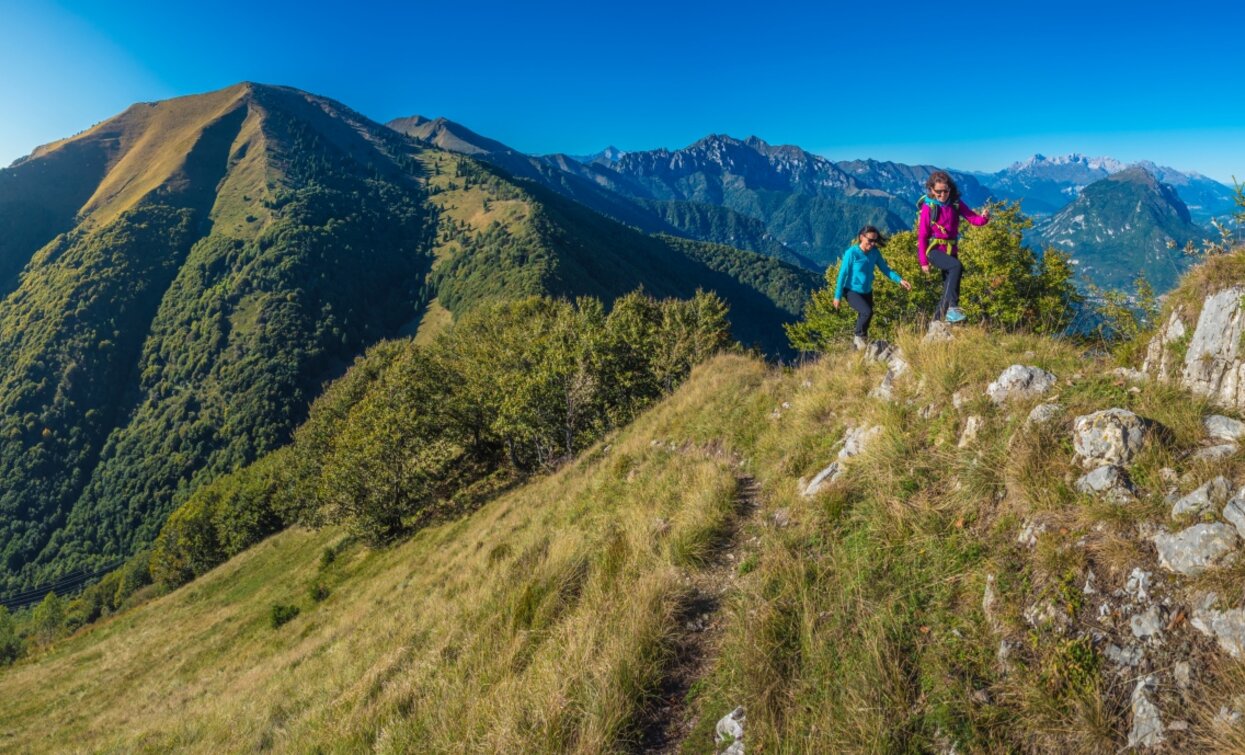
(1006, 285)
(944, 590)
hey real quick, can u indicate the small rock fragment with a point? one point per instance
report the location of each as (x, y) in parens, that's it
(1138, 585)
(1182, 672)
(1149, 624)
(1110, 482)
(1029, 534)
(972, 426)
(1147, 728)
(730, 728)
(1216, 453)
(1127, 657)
(1043, 413)
(1227, 627)
(1234, 512)
(1224, 428)
(1213, 493)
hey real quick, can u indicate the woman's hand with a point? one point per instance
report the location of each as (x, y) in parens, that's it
(906, 285)
(836, 303)
(925, 269)
(986, 212)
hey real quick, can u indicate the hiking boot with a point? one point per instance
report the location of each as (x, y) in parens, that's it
(859, 343)
(955, 314)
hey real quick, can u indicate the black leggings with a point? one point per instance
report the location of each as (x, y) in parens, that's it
(863, 304)
(952, 270)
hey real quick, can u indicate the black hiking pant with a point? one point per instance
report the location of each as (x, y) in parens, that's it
(863, 304)
(952, 270)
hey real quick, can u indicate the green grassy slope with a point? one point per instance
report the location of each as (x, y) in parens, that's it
(676, 572)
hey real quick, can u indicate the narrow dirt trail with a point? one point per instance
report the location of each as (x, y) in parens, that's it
(702, 625)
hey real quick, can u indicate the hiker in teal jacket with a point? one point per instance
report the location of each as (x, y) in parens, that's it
(856, 279)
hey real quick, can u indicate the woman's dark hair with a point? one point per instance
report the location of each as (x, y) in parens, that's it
(874, 230)
(942, 177)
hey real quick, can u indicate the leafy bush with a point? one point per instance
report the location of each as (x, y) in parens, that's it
(282, 614)
(1005, 285)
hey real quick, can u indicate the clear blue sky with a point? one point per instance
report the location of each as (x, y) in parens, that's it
(966, 85)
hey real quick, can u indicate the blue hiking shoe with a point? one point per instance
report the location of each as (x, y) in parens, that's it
(955, 314)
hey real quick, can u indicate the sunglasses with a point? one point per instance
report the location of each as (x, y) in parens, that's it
(872, 239)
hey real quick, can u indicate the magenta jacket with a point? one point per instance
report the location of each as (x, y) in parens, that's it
(944, 225)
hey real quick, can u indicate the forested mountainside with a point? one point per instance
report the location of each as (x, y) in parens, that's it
(180, 281)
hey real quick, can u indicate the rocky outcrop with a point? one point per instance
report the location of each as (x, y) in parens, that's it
(854, 441)
(1211, 365)
(1162, 355)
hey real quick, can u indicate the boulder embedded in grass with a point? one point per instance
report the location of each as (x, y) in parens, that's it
(1111, 436)
(1020, 382)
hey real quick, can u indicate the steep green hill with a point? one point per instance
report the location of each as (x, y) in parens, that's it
(193, 271)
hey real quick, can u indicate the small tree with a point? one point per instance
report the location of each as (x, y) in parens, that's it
(11, 645)
(48, 618)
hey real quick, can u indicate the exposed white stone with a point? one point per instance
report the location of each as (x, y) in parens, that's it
(1088, 588)
(960, 398)
(1131, 375)
(938, 331)
(1109, 482)
(730, 728)
(1138, 585)
(1196, 549)
(1148, 624)
(1128, 656)
(972, 426)
(1211, 494)
(1182, 672)
(1020, 382)
(1147, 728)
(1212, 364)
(1043, 413)
(1111, 436)
(1216, 453)
(1160, 359)
(1234, 512)
(987, 603)
(855, 440)
(1227, 627)
(1029, 533)
(1224, 428)
(1045, 614)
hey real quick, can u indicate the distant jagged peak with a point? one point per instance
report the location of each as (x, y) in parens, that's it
(1038, 161)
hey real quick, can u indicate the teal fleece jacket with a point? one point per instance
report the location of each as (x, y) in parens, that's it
(856, 270)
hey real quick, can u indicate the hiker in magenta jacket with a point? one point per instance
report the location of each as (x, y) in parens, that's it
(937, 231)
(855, 279)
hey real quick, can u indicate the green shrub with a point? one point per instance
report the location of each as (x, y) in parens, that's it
(282, 614)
